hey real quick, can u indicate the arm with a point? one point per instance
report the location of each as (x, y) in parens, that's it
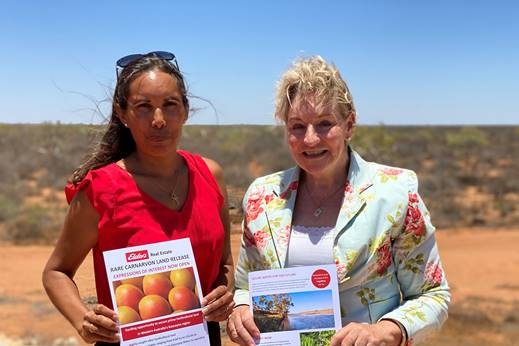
(219, 302)
(418, 270)
(240, 325)
(250, 258)
(78, 236)
(425, 291)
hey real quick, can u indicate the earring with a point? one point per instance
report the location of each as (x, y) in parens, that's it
(125, 124)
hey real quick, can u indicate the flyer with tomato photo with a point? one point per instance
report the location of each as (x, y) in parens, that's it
(295, 306)
(155, 292)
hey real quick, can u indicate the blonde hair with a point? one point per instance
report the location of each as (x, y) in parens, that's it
(317, 78)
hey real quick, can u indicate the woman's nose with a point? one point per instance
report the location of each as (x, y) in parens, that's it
(311, 136)
(158, 119)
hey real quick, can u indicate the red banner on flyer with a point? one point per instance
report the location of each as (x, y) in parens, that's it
(162, 325)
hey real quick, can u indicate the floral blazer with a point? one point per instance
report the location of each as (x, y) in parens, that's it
(385, 252)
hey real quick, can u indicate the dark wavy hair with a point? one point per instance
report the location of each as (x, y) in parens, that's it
(117, 142)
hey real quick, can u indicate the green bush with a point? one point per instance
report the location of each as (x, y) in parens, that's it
(9, 207)
(33, 224)
(322, 338)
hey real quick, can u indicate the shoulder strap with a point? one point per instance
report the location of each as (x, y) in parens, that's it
(197, 163)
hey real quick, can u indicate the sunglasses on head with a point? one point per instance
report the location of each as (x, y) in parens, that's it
(127, 60)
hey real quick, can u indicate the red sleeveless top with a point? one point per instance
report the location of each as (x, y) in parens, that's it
(130, 217)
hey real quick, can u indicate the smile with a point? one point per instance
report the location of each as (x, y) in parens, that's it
(314, 153)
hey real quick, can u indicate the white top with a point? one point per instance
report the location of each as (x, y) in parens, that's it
(310, 246)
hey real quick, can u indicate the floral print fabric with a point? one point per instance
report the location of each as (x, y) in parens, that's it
(385, 253)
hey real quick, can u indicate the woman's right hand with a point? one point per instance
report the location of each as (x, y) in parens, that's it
(241, 327)
(99, 324)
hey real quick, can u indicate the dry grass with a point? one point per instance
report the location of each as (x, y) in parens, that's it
(467, 174)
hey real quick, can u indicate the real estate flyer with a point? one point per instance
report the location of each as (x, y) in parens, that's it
(155, 292)
(295, 306)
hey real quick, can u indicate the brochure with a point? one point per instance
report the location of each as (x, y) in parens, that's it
(155, 292)
(295, 306)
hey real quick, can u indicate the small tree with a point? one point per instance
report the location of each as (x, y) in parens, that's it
(275, 303)
(468, 141)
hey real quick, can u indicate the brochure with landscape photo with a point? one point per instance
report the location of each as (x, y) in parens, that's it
(295, 306)
(156, 293)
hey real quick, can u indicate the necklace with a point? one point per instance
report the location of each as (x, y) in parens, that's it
(172, 192)
(320, 206)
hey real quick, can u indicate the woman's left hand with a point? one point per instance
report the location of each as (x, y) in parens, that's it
(218, 304)
(385, 333)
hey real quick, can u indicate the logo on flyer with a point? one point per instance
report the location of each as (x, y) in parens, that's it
(136, 255)
(320, 278)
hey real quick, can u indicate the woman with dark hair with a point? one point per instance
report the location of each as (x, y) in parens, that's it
(138, 188)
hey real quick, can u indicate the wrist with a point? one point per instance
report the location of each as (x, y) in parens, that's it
(399, 332)
(78, 319)
(240, 306)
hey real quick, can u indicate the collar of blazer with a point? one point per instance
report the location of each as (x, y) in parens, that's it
(360, 178)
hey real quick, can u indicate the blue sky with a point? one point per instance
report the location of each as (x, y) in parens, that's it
(406, 62)
(311, 300)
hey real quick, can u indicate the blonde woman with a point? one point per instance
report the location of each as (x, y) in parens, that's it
(335, 207)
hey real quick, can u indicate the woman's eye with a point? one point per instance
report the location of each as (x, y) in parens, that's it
(143, 106)
(324, 125)
(297, 127)
(170, 104)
